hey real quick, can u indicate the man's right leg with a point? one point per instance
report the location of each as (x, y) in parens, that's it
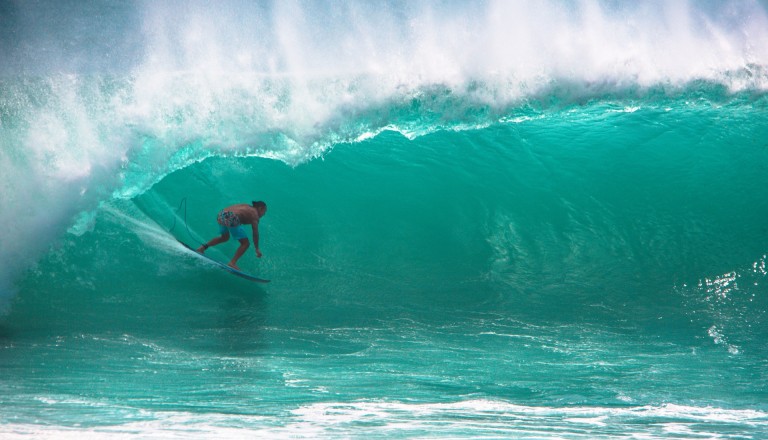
(244, 243)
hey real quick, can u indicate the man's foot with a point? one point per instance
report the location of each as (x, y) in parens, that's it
(234, 266)
(200, 250)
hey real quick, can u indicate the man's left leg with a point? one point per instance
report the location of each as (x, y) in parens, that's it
(216, 240)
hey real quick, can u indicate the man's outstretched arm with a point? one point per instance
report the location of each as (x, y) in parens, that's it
(255, 228)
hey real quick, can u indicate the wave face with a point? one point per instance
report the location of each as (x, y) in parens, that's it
(512, 219)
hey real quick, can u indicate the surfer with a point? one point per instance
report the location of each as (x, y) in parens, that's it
(231, 220)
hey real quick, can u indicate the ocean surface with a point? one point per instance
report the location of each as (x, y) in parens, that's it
(487, 219)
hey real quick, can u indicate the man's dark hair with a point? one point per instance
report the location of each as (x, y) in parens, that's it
(259, 204)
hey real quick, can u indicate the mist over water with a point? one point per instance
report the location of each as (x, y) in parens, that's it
(546, 215)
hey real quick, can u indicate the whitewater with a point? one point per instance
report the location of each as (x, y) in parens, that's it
(490, 219)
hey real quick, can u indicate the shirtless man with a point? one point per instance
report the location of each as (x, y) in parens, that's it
(230, 221)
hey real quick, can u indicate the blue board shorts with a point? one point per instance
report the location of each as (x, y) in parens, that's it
(229, 223)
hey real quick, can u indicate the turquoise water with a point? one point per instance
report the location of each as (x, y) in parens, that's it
(560, 238)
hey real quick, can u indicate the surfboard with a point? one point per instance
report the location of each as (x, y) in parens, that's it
(221, 265)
